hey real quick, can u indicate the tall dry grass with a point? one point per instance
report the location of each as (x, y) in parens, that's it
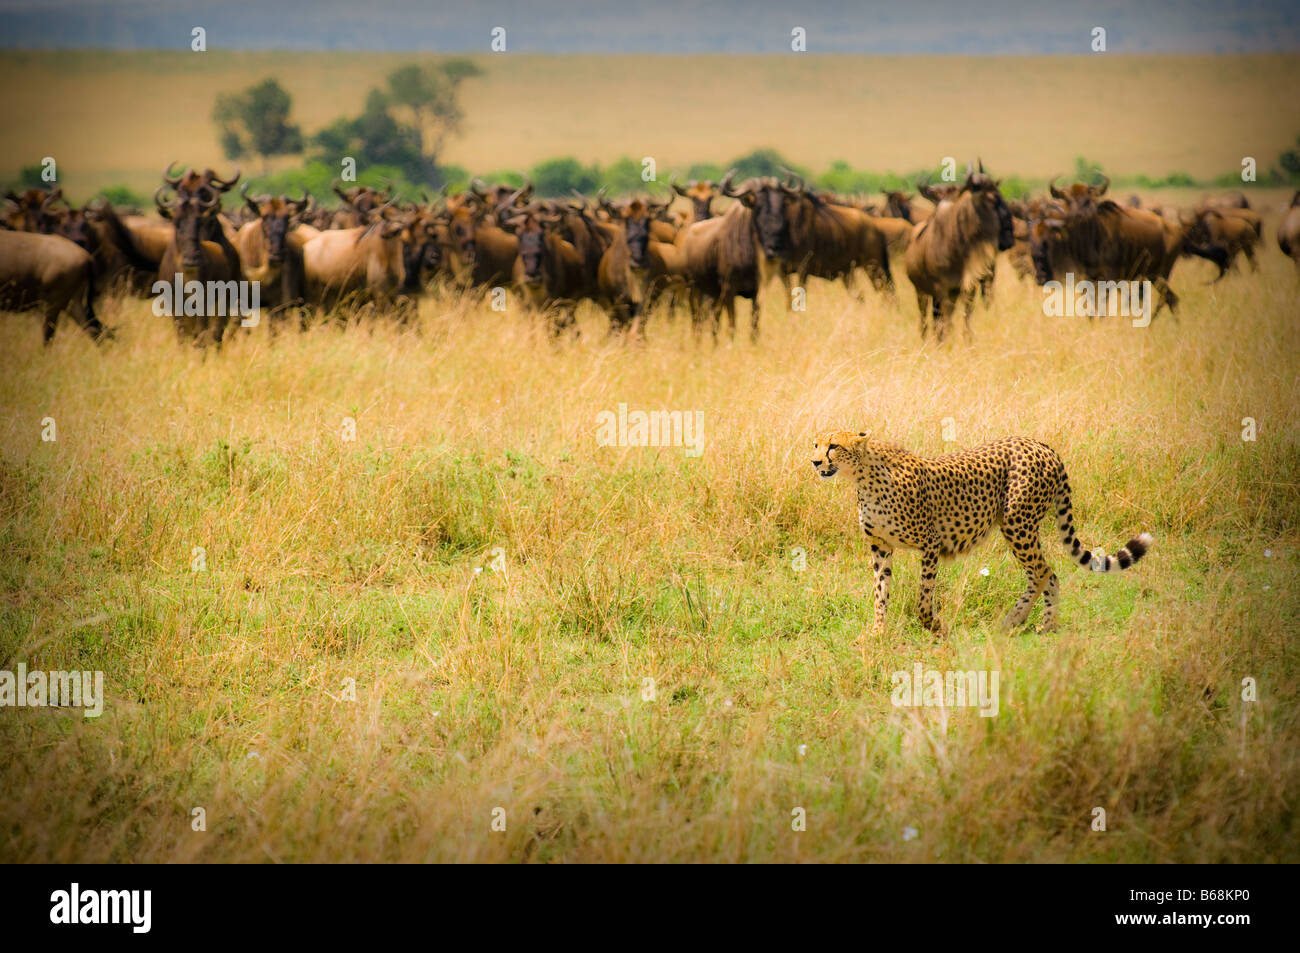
(522, 689)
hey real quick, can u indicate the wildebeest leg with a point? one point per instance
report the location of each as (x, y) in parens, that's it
(51, 323)
(923, 302)
(970, 306)
(753, 319)
(1249, 251)
(1167, 296)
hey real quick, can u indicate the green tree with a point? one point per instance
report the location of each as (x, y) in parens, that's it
(374, 138)
(1290, 160)
(256, 122)
(427, 99)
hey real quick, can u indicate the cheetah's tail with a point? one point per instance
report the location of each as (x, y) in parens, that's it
(1095, 559)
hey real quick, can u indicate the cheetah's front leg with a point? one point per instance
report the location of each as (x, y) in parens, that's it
(881, 558)
(925, 606)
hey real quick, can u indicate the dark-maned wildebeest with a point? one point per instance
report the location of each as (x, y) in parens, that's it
(721, 263)
(51, 273)
(1288, 231)
(549, 274)
(1099, 240)
(1235, 233)
(196, 258)
(954, 250)
(796, 232)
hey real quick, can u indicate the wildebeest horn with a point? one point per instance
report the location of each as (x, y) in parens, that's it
(725, 186)
(674, 187)
(582, 198)
(1105, 184)
(213, 202)
(52, 197)
(1051, 187)
(478, 187)
(223, 184)
(981, 165)
(794, 177)
(157, 199)
(336, 188)
(172, 180)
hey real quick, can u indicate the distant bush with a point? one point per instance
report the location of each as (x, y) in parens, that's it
(556, 177)
(316, 178)
(761, 163)
(121, 195)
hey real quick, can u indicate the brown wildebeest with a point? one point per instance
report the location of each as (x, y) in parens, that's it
(51, 273)
(721, 263)
(359, 204)
(1113, 243)
(265, 253)
(549, 274)
(478, 250)
(701, 195)
(1234, 233)
(195, 258)
(797, 232)
(954, 249)
(32, 211)
(1288, 231)
(365, 262)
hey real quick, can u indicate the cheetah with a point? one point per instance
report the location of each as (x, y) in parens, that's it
(947, 505)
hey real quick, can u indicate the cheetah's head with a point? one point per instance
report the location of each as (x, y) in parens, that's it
(833, 449)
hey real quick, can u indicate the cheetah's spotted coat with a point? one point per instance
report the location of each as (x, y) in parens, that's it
(946, 505)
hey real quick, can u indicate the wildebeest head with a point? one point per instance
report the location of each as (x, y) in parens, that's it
(636, 224)
(530, 229)
(1079, 197)
(33, 211)
(277, 216)
(422, 244)
(767, 199)
(190, 213)
(990, 205)
(701, 195)
(898, 204)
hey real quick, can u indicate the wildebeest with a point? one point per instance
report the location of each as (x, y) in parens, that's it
(1236, 233)
(721, 263)
(265, 253)
(701, 195)
(954, 249)
(1288, 231)
(549, 274)
(195, 258)
(51, 273)
(362, 262)
(797, 232)
(32, 211)
(1100, 240)
(359, 203)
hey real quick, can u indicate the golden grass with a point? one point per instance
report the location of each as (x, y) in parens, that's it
(330, 560)
(118, 117)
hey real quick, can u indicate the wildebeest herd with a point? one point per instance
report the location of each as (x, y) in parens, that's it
(722, 242)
